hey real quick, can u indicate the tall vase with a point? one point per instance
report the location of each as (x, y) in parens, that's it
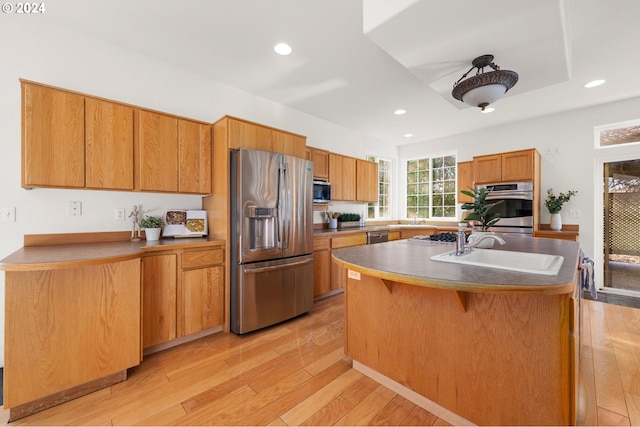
(556, 222)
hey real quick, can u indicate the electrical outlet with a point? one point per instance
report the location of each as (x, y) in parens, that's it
(7, 214)
(120, 214)
(575, 213)
(74, 209)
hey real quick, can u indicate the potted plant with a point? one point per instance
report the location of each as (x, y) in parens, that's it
(481, 215)
(349, 220)
(152, 225)
(554, 206)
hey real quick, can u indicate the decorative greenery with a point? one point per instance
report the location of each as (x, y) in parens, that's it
(348, 217)
(480, 210)
(151, 222)
(554, 203)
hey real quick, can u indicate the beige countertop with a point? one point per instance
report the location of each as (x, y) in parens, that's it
(408, 261)
(51, 257)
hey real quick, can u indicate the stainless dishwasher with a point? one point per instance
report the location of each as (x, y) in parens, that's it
(377, 237)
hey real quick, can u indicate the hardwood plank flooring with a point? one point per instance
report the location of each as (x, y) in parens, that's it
(296, 373)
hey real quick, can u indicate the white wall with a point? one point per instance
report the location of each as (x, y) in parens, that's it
(38, 51)
(573, 168)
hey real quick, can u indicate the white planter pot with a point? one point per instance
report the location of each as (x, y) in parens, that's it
(152, 233)
(486, 243)
(556, 222)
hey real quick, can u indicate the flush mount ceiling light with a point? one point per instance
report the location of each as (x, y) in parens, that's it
(282, 49)
(484, 88)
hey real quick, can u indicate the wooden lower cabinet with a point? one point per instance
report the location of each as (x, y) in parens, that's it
(321, 266)
(183, 293)
(69, 327)
(159, 286)
(327, 275)
(412, 232)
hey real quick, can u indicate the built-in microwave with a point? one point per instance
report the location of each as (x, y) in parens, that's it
(321, 192)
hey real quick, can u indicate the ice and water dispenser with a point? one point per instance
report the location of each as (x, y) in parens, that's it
(262, 224)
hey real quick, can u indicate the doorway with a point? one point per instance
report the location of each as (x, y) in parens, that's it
(621, 223)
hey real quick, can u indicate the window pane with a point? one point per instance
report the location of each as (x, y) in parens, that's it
(618, 136)
(449, 186)
(431, 187)
(449, 199)
(450, 211)
(412, 166)
(438, 162)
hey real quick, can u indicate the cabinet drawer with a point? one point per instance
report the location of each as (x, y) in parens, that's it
(346, 241)
(202, 258)
(319, 244)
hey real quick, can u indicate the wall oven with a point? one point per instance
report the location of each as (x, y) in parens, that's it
(516, 209)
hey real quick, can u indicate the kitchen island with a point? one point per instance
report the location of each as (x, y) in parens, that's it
(473, 345)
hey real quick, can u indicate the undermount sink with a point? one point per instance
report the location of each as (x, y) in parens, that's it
(523, 262)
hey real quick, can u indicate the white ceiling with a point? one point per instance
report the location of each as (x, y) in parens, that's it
(408, 55)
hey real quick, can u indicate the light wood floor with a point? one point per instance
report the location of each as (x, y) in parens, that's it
(297, 374)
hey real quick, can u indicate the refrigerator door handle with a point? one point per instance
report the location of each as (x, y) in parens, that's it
(286, 209)
(275, 267)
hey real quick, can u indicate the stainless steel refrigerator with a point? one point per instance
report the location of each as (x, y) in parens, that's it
(271, 238)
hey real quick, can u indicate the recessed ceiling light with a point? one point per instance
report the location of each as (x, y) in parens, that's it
(399, 112)
(282, 49)
(486, 110)
(594, 83)
(408, 135)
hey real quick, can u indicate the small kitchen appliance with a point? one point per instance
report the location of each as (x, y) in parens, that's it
(185, 223)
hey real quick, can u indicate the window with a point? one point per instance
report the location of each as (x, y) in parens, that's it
(431, 187)
(617, 134)
(381, 209)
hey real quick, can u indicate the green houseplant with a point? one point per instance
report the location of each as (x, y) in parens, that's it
(481, 213)
(554, 206)
(554, 203)
(348, 220)
(152, 226)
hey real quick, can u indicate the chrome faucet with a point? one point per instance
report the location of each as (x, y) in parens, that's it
(462, 247)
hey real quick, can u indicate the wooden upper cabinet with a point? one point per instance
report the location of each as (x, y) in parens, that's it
(506, 167)
(243, 134)
(52, 137)
(487, 169)
(288, 143)
(465, 180)
(157, 144)
(320, 159)
(342, 176)
(518, 166)
(194, 164)
(109, 145)
(366, 181)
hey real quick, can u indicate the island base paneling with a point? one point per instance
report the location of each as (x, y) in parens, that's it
(503, 361)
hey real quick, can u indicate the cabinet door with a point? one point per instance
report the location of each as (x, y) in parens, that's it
(320, 159)
(202, 301)
(487, 169)
(287, 143)
(465, 180)
(518, 166)
(336, 176)
(342, 175)
(366, 181)
(159, 299)
(248, 135)
(52, 137)
(321, 272)
(194, 143)
(157, 152)
(109, 145)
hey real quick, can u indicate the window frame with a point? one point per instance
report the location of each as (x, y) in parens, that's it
(404, 187)
(376, 206)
